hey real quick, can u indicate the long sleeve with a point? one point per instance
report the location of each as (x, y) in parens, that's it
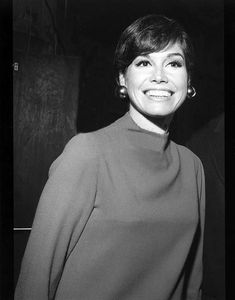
(63, 210)
(195, 274)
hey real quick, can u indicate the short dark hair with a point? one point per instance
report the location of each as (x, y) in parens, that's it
(149, 34)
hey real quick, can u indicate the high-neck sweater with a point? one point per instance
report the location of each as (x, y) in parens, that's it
(121, 218)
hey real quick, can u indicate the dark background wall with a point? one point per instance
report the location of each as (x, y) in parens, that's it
(63, 80)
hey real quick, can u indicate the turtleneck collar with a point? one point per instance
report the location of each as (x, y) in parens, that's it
(141, 137)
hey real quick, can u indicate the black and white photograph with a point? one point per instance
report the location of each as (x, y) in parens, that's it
(118, 139)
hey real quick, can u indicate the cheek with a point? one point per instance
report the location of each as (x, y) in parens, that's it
(182, 81)
(134, 79)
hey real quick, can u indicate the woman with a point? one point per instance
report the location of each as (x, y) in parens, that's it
(121, 216)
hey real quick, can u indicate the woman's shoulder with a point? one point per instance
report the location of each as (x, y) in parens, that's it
(82, 144)
(81, 148)
(92, 143)
(188, 155)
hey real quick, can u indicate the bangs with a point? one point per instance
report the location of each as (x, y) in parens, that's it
(149, 43)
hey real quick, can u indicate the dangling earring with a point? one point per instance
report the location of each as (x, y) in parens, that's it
(191, 92)
(121, 91)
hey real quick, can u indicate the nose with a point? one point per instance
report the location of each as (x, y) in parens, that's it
(158, 75)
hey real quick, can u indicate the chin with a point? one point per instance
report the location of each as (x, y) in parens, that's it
(158, 112)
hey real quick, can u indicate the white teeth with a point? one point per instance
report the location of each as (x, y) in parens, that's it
(158, 93)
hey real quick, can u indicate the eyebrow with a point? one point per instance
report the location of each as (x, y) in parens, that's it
(175, 54)
(168, 55)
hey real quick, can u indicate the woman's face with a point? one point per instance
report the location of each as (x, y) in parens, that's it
(157, 82)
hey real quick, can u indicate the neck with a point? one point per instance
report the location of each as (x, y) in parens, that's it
(158, 125)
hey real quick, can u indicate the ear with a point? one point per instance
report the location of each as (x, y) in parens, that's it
(122, 80)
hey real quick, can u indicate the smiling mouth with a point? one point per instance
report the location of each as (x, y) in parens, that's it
(158, 94)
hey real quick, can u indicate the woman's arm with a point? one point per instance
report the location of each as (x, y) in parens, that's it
(195, 276)
(63, 210)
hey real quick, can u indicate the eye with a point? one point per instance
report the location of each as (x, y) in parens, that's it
(176, 64)
(142, 63)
